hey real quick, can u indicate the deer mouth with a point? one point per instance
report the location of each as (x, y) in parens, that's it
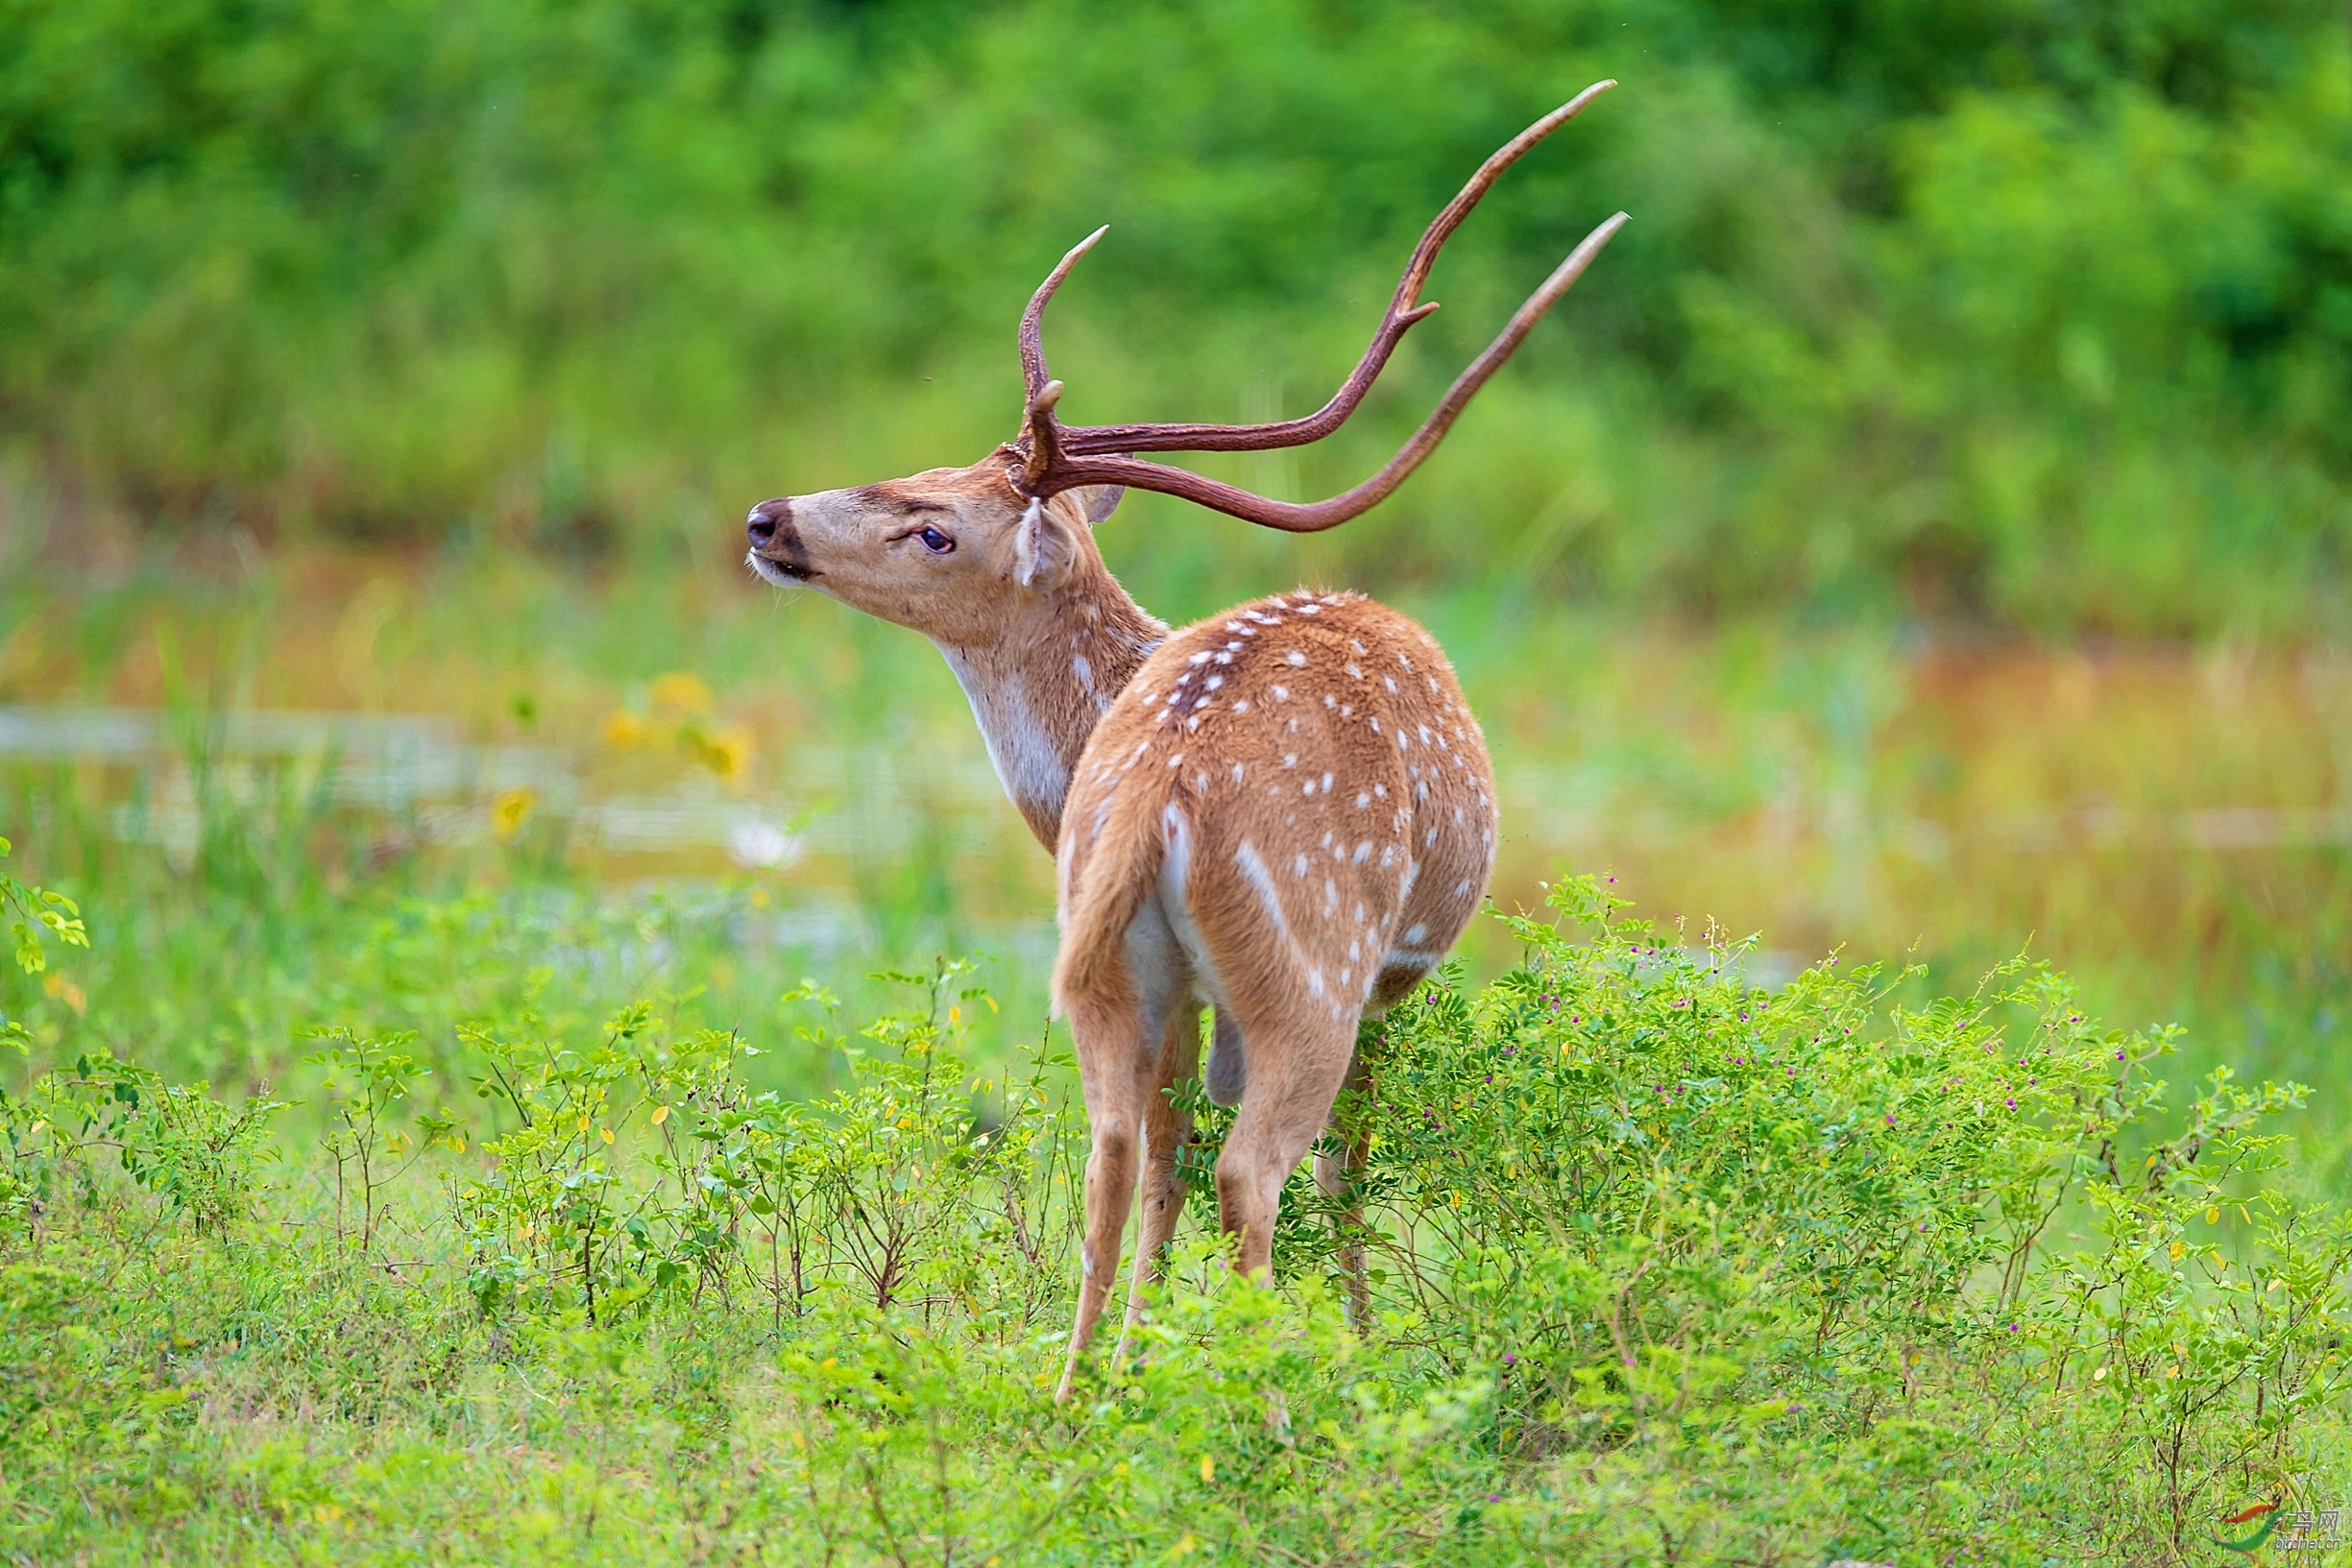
(779, 571)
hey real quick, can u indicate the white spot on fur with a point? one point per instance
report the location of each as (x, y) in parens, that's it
(1262, 882)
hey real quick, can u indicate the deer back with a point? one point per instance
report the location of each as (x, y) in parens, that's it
(1302, 779)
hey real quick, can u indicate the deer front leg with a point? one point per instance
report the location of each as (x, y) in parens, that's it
(1341, 1178)
(1165, 1132)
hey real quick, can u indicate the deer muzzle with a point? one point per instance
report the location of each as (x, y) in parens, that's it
(776, 546)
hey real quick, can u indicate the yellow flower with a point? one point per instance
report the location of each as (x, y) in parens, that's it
(511, 810)
(624, 731)
(727, 753)
(682, 692)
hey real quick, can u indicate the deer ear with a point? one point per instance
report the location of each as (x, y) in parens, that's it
(1098, 501)
(1044, 547)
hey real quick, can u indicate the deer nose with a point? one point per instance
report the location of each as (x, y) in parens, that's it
(760, 527)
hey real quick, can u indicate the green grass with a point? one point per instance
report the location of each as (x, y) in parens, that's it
(337, 1306)
(1664, 1267)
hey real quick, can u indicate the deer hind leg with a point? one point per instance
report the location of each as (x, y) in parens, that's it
(1295, 1069)
(1165, 1132)
(1115, 1055)
(1341, 1176)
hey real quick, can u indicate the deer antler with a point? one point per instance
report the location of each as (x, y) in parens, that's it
(1054, 457)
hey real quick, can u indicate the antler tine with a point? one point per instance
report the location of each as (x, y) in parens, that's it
(1032, 346)
(1404, 310)
(1306, 518)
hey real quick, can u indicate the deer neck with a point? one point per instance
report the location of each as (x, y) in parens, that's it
(1039, 688)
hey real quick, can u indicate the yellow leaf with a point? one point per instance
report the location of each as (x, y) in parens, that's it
(661, 1114)
(2212, 1213)
(1209, 1469)
(2178, 1249)
(955, 1015)
(605, 1133)
(583, 1126)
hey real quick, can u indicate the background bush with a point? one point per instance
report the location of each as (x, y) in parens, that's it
(1986, 309)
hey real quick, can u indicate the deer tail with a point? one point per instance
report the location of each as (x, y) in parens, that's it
(1104, 883)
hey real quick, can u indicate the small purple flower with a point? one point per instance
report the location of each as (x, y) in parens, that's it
(1510, 1359)
(2013, 1104)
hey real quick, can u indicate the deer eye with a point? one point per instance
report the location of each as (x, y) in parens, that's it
(935, 541)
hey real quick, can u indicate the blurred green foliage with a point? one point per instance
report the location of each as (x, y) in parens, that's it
(2041, 313)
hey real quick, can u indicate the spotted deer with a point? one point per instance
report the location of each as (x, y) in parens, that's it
(1283, 813)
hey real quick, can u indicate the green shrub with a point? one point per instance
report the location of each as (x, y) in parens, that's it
(1665, 1265)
